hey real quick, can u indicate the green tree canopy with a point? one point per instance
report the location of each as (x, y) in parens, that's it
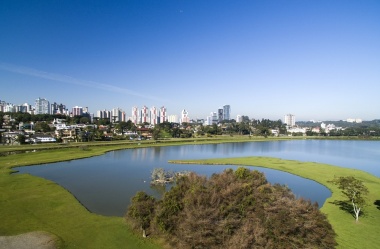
(354, 190)
(141, 210)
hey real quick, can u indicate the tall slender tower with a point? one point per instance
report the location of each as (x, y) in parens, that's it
(135, 115)
(163, 115)
(226, 112)
(153, 115)
(144, 115)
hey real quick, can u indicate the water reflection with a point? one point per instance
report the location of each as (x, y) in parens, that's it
(105, 184)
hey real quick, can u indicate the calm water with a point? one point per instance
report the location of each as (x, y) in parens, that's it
(105, 184)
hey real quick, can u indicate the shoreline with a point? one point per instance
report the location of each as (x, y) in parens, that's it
(19, 185)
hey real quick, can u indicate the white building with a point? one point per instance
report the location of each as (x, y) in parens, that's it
(239, 118)
(144, 115)
(184, 117)
(290, 120)
(354, 120)
(212, 119)
(9, 108)
(163, 115)
(117, 115)
(77, 111)
(153, 115)
(42, 106)
(173, 118)
(103, 114)
(135, 115)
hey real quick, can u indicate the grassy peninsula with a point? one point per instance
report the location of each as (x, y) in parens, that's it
(29, 203)
(349, 234)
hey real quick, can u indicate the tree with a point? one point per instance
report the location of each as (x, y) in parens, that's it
(354, 190)
(21, 138)
(42, 127)
(84, 120)
(237, 209)
(141, 210)
(123, 126)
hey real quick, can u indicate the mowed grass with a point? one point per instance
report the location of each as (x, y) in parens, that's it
(29, 203)
(365, 233)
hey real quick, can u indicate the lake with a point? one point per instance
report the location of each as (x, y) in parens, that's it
(105, 184)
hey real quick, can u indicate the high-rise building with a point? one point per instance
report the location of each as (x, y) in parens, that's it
(10, 108)
(290, 119)
(104, 114)
(153, 115)
(26, 108)
(117, 115)
(239, 119)
(184, 117)
(144, 115)
(77, 111)
(42, 106)
(163, 115)
(220, 114)
(135, 115)
(2, 105)
(58, 108)
(226, 112)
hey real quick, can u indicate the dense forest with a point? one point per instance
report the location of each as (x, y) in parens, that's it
(233, 209)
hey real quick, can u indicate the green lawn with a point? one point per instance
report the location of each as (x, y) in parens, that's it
(350, 234)
(29, 203)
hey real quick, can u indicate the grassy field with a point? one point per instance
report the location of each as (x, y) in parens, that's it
(365, 233)
(29, 203)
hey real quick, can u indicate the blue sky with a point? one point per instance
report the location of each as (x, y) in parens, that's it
(315, 59)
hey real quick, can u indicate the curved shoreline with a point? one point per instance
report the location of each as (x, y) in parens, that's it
(350, 235)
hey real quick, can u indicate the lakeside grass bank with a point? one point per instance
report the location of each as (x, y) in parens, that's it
(350, 234)
(29, 203)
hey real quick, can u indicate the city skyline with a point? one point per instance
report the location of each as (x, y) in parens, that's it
(316, 59)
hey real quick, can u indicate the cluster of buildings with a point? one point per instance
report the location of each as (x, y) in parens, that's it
(138, 115)
(223, 113)
(155, 115)
(41, 106)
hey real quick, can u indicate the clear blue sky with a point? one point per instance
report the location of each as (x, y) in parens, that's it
(315, 59)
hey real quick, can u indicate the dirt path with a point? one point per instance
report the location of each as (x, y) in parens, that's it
(32, 240)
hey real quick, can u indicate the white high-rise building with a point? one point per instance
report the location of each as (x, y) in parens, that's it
(9, 108)
(144, 115)
(184, 117)
(163, 115)
(290, 120)
(153, 115)
(77, 111)
(103, 114)
(117, 115)
(135, 115)
(42, 106)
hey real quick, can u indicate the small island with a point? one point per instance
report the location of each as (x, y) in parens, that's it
(161, 177)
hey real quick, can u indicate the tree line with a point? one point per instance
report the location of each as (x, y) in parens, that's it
(251, 127)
